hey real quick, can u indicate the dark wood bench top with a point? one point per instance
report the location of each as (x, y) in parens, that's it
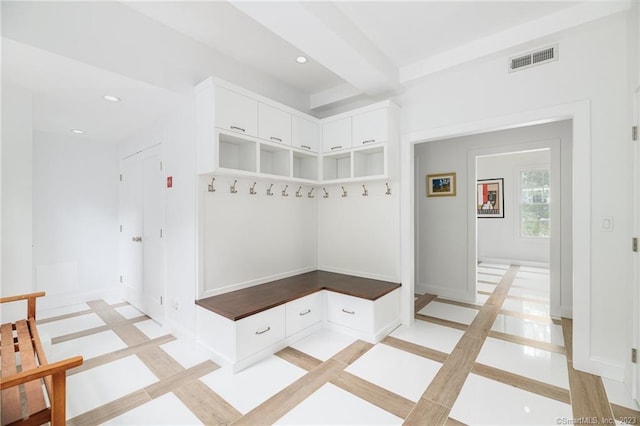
(239, 304)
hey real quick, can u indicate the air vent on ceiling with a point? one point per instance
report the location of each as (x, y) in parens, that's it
(536, 57)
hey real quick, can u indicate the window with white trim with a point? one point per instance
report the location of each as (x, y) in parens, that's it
(535, 197)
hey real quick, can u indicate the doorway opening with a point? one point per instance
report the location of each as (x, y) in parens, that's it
(450, 238)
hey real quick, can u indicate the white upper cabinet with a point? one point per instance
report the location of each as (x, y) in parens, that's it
(274, 125)
(336, 135)
(236, 112)
(305, 134)
(370, 127)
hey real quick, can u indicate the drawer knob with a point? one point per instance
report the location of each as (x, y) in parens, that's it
(263, 331)
(348, 312)
(305, 312)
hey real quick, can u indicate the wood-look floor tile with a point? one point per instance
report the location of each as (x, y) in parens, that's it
(180, 378)
(424, 300)
(528, 342)
(95, 330)
(299, 358)
(482, 323)
(376, 395)
(352, 352)
(588, 396)
(486, 293)
(134, 349)
(440, 321)
(130, 335)
(207, 405)
(64, 316)
(427, 412)
(159, 362)
(536, 318)
(521, 382)
(106, 312)
(567, 334)
(631, 417)
(111, 409)
(454, 422)
(419, 350)
(447, 383)
(456, 303)
(94, 362)
(284, 401)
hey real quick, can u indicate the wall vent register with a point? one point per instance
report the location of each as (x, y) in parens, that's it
(536, 57)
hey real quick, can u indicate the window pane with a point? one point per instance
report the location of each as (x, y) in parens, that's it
(535, 196)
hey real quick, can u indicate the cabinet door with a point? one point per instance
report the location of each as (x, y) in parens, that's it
(274, 125)
(370, 127)
(336, 135)
(236, 112)
(305, 134)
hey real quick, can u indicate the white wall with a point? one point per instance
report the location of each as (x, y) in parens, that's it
(75, 217)
(484, 91)
(250, 239)
(359, 235)
(17, 190)
(500, 238)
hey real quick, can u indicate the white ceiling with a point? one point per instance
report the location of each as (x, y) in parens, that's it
(152, 53)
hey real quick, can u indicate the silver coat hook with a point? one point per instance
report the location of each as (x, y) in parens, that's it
(252, 190)
(326, 194)
(388, 188)
(269, 190)
(344, 192)
(310, 194)
(211, 188)
(233, 189)
(298, 194)
(284, 191)
(366, 192)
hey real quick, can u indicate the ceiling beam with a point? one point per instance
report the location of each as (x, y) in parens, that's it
(326, 35)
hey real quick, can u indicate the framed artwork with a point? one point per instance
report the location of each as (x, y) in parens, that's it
(490, 198)
(441, 185)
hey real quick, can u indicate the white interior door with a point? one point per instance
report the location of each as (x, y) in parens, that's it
(142, 248)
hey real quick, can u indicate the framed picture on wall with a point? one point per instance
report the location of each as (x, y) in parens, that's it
(441, 185)
(490, 198)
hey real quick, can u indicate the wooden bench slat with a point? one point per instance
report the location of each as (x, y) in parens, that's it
(33, 389)
(42, 357)
(11, 408)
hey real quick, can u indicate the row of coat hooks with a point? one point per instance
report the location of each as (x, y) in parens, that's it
(325, 194)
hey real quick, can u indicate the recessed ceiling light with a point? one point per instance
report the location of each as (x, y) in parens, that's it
(301, 59)
(111, 98)
(77, 131)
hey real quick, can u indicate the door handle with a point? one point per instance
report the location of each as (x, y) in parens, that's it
(136, 239)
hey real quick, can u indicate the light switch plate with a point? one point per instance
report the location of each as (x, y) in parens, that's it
(606, 223)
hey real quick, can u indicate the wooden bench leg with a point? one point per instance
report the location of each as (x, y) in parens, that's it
(58, 405)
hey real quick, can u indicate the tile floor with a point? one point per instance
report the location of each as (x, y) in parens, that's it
(426, 373)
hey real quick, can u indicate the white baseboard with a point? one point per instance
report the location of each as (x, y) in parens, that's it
(447, 293)
(518, 262)
(52, 301)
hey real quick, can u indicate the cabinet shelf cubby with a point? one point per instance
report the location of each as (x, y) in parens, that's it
(337, 166)
(369, 162)
(236, 153)
(274, 160)
(305, 166)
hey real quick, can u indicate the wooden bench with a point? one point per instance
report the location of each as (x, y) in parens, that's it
(25, 368)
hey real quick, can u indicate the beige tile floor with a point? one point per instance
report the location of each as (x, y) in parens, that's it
(499, 361)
